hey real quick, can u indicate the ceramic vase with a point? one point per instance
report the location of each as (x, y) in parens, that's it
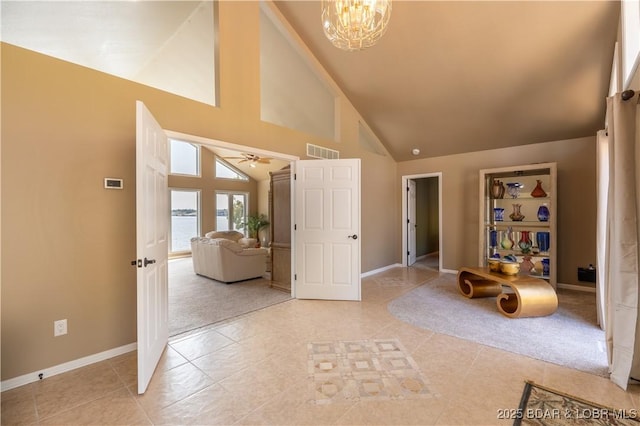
(497, 189)
(525, 242)
(506, 242)
(543, 213)
(516, 216)
(498, 214)
(526, 265)
(538, 192)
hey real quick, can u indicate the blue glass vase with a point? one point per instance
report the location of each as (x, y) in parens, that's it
(542, 238)
(493, 238)
(543, 213)
(545, 267)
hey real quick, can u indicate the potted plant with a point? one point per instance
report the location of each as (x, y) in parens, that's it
(254, 224)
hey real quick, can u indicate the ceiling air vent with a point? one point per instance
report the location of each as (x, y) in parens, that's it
(316, 151)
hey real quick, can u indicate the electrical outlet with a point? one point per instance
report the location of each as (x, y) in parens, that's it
(59, 327)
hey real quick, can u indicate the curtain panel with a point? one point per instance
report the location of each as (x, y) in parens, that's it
(618, 254)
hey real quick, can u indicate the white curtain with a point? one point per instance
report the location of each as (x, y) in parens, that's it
(602, 195)
(618, 253)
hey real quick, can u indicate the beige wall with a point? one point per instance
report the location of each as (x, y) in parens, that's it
(576, 199)
(208, 185)
(67, 243)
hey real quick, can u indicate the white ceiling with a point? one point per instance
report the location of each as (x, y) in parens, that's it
(142, 41)
(112, 36)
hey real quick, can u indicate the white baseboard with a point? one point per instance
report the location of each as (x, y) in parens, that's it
(577, 287)
(67, 366)
(399, 265)
(377, 271)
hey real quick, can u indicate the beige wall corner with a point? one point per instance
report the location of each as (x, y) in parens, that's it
(576, 159)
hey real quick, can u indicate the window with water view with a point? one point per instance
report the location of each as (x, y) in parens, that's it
(185, 219)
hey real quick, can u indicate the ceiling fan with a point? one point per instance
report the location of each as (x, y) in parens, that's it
(252, 158)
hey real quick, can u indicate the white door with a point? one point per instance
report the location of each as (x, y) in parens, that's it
(411, 222)
(327, 229)
(152, 212)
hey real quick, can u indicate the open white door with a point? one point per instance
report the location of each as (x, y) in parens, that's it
(327, 229)
(411, 222)
(152, 212)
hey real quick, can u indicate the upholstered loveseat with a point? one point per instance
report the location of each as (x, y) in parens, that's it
(226, 257)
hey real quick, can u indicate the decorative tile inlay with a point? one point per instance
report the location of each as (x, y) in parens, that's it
(363, 370)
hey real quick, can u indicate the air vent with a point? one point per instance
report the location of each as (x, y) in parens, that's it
(316, 151)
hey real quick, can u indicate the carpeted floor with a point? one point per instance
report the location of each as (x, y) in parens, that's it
(196, 301)
(569, 337)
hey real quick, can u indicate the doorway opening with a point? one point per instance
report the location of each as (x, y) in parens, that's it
(196, 301)
(422, 220)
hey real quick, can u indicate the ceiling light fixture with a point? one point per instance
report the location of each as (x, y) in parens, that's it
(355, 24)
(415, 151)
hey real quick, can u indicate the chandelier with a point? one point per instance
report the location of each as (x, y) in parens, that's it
(355, 24)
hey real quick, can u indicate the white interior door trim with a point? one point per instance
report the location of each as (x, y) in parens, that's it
(405, 214)
(411, 222)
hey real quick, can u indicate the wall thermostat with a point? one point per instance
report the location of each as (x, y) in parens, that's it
(112, 183)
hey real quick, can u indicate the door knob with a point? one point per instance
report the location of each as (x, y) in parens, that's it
(148, 261)
(354, 236)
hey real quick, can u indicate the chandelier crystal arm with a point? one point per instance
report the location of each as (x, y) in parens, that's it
(355, 24)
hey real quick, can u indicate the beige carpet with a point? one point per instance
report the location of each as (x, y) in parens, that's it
(569, 337)
(196, 301)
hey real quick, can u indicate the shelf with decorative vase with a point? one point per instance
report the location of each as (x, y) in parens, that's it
(520, 201)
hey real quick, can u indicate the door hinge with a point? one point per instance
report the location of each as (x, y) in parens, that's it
(408, 189)
(408, 253)
(295, 277)
(408, 221)
(295, 176)
(295, 227)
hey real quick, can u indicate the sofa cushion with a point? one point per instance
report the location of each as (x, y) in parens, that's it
(247, 242)
(229, 235)
(226, 260)
(223, 242)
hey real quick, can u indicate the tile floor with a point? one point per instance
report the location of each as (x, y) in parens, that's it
(255, 370)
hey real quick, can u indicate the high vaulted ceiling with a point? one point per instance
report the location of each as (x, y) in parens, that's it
(447, 77)
(451, 76)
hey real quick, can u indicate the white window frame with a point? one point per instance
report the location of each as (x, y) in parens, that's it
(229, 166)
(230, 194)
(198, 159)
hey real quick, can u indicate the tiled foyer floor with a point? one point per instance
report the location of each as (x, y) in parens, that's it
(261, 369)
